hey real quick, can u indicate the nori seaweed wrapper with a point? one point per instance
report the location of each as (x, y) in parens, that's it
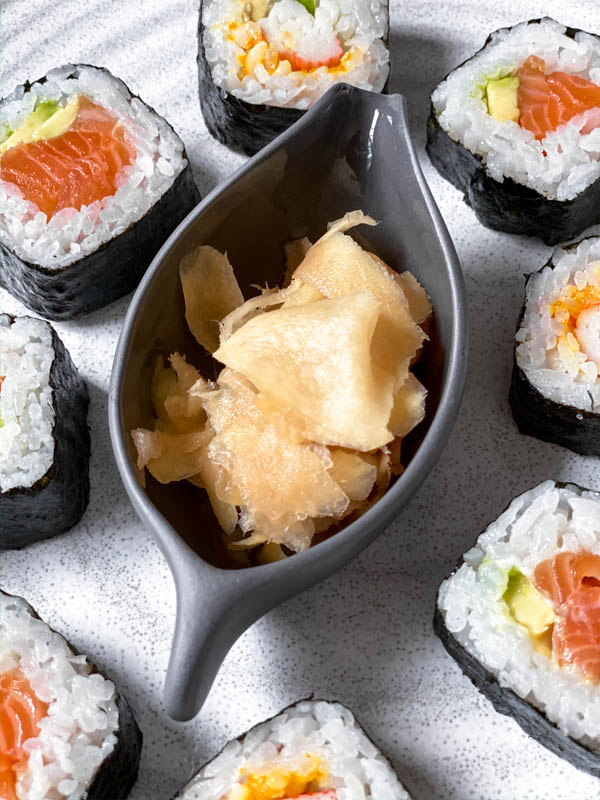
(58, 499)
(548, 420)
(111, 271)
(242, 736)
(115, 777)
(505, 701)
(117, 774)
(509, 206)
(245, 127)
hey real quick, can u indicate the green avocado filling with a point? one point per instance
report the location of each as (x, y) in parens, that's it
(498, 89)
(529, 608)
(47, 120)
(309, 5)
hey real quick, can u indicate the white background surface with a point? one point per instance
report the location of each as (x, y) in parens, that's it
(364, 636)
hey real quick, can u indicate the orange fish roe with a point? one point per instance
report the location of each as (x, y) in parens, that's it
(572, 302)
(74, 169)
(20, 714)
(257, 50)
(282, 782)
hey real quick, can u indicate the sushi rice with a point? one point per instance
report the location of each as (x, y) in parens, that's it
(71, 234)
(560, 166)
(555, 363)
(540, 523)
(326, 731)
(359, 26)
(79, 731)
(26, 404)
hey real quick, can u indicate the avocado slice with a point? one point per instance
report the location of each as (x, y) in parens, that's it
(501, 97)
(309, 5)
(46, 121)
(527, 606)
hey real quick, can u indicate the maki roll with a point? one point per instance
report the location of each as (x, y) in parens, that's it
(44, 438)
(555, 389)
(65, 731)
(262, 63)
(521, 617)
(92, 181)
(517, 129)
(313, 750)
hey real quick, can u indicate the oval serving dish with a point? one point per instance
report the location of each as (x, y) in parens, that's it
(351, 151)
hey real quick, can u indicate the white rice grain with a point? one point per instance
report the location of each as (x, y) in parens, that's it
(26, 401)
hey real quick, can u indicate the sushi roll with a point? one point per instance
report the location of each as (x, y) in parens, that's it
(65, 731)
(44, 438)
(262, 63)
(313, 750)
(521, 617)
(92, 181)
(555, 388)
(517, 129)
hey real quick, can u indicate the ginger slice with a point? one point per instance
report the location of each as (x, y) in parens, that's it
(210, 477)
(301, 293)
(419, 304)
(251, 308)
(169, 456)
(314, 362)
(281, 479)
(409, 406)
(294, 255)
(353, 472)
(210, 291)
(337, 266)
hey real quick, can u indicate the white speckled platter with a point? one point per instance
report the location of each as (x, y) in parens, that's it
(364, 636)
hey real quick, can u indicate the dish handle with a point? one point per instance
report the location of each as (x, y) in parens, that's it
(214, 608)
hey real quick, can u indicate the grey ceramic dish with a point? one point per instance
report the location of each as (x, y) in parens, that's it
(352, 150)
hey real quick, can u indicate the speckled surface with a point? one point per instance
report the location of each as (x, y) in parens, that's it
(364, 636)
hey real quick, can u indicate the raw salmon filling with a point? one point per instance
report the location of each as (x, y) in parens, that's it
(548, 101)
(572, 583)
(20, 712)
(76, 168)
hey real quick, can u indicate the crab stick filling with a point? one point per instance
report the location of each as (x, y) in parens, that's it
(287, 41)
(576, 312)
(301, 780)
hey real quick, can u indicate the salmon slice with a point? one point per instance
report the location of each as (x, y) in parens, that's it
(73, 169)
(20, 714)
(547, 101)
(559, 577)
(576, 636)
